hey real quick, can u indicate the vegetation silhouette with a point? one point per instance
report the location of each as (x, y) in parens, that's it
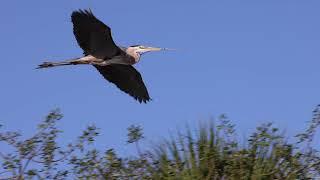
(210, 152)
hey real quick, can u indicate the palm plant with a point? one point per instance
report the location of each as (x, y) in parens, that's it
(213, 152)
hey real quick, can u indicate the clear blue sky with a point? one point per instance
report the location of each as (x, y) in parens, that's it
(256, 61)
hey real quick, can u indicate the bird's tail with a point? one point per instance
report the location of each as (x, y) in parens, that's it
(61, 63)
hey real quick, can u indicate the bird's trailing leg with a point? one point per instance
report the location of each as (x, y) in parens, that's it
(84, 60)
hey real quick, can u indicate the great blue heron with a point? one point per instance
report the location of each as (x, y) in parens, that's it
(113, 62)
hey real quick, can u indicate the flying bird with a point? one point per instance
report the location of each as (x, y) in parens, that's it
(112, 61)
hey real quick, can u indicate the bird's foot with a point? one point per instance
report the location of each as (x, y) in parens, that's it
(45, 65)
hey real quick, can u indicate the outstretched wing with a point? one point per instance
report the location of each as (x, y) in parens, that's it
(92, 35)
(126, 78)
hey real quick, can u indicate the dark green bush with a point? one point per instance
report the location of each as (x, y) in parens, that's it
(207, 152)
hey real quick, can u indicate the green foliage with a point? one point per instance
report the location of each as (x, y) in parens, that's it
(208, 152)
(134, 134)
(40, 156)
(214, 153)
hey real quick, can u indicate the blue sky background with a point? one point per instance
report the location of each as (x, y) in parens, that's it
(256, 61)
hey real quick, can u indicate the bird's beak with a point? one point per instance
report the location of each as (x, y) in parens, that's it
(149, 49)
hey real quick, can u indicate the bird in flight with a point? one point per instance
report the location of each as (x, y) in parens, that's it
(112, 61)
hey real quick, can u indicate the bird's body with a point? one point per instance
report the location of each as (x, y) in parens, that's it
(113, 62)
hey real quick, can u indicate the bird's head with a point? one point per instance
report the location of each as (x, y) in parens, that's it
(140, 49)
(137, 50)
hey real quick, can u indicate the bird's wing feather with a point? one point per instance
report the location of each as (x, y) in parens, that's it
(92, 35)
(126, 78)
